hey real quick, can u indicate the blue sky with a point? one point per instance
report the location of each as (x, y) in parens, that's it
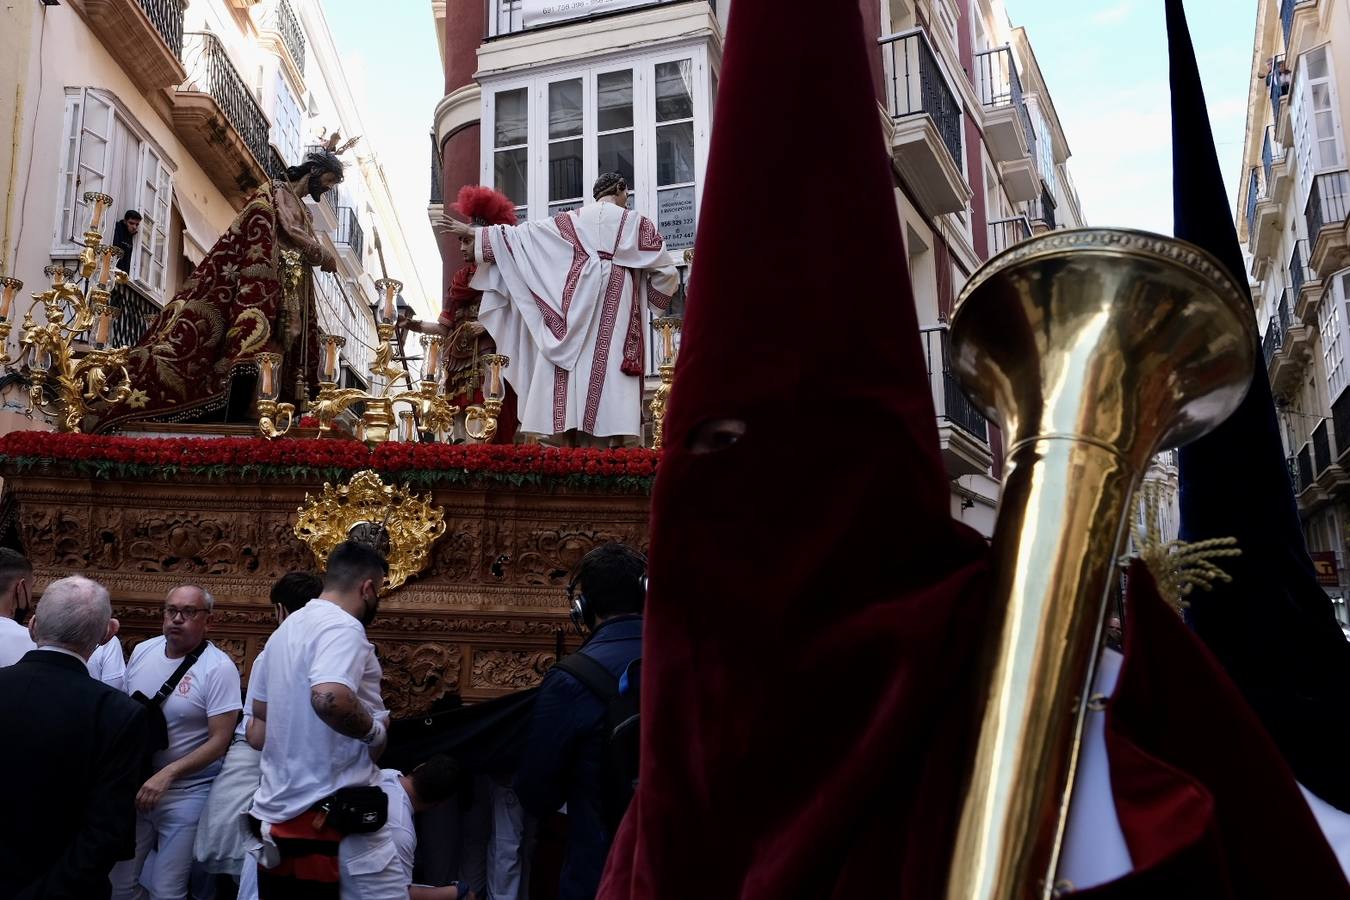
(1104, 60)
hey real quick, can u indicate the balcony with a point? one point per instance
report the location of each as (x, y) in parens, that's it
(1263, 226)
(1275, 162)
(505, 17)
(1328, 227)
(349, 239)
(280, 27)
(1340, 423)
(962, 431)
(1277, 86)
(1041, 212)
(1294, 353)
(925, 123)
(217, 118)
(144, 36)
(1007, 124)
(1304, 285)
(1298, 18)
(1003, 233)
(1271, 341)
(135, 313)
(1303, 466)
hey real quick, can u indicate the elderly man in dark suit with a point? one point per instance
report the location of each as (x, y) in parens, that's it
(76, 751)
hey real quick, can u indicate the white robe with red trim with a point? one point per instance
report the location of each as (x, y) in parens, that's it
(565, 298)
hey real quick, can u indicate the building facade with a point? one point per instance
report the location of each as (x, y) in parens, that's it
(538, 101)
(1292, 216)
(178, 111)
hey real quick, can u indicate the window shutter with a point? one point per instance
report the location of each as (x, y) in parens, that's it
(93, 159)
(63, 227)
(156, 195)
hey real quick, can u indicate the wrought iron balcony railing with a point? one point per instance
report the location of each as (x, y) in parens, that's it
(1271, 152)
(1328, 202)
(1253, 195)
(1299, 273)
(1305, 469)
(349, 233)
(1285, 319)
(1340, 421)
(437, 192)
(210, 70)
(136, 312)
(1041, 211)
(167, 17)
(916, 87)
(281, 19)
(952, 403)
(999, 85)
(1321, 445)
(1291, 463)
(1272, 341)
(1003, 233)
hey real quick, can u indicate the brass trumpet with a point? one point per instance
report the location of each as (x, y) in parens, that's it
(1094, 349)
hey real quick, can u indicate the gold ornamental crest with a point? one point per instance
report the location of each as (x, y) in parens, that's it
(402, 525)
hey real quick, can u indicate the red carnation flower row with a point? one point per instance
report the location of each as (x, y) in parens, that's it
(425, 459)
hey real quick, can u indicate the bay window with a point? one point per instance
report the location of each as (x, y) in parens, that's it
(549, 136)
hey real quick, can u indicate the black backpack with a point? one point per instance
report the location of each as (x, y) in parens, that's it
(619, 759)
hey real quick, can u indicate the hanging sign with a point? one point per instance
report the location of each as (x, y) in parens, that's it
(1324, 561)
(545, 12)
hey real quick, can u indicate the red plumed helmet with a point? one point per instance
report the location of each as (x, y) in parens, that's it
(484, 206)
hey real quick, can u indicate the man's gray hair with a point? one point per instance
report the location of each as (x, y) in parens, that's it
(206, 595)
(74, 613)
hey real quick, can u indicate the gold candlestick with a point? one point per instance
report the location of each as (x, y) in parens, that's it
(494, 392)
(668, 327)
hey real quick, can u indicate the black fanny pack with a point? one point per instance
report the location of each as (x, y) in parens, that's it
(354, 810)
(159, 726)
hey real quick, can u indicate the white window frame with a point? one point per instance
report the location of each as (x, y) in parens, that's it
(285, 132)
(535, 206)
(1331, 322)
(1304, 114)
(153, 188)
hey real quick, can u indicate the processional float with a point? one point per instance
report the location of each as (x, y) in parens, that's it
(1094, 349)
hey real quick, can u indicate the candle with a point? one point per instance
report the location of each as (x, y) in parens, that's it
(265, 369)
(433, 360)
(330, 361)
(389, 306)
(9, 288)
(100, 204)
(496, 388)
(104, 326)
(407, 428)
(667, 345)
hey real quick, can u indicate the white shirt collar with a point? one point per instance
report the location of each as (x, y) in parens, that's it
(63, 650)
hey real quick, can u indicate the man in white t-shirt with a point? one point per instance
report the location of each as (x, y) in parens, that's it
(16, 604)
(223, 837)
(201, 712)
(379, 866)
(107, 664)
(321, 722)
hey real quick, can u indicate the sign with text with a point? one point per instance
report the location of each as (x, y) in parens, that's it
(675, 216)
(544, 12)
(1324, 561)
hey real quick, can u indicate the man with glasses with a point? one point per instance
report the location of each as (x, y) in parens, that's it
(201, 710)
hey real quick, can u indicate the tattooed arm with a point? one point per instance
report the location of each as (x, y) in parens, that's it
(337, 706)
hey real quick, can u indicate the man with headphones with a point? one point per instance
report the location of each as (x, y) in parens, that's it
(564, 760)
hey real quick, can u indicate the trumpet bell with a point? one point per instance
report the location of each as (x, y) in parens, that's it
(1093, 349)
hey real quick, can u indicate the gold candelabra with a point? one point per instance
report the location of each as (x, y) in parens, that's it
(274, 419)
(429, 411)
(668, 327)
(480, 420)
(86, 380)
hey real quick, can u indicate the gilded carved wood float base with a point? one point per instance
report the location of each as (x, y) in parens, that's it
(484, 618)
